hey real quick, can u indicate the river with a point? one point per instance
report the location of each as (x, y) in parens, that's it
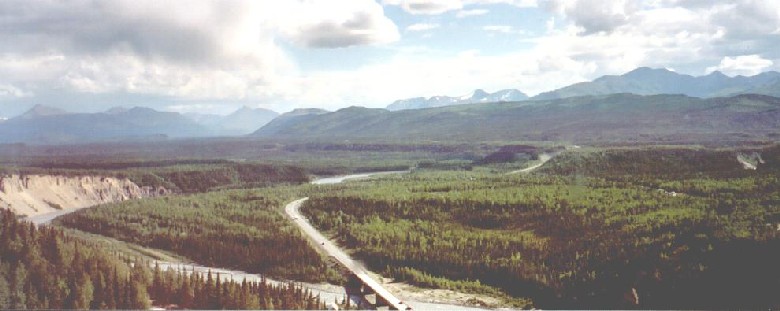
(46, 218)
(339, 179)
(327, 292)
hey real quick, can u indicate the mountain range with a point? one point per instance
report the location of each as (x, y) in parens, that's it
(43, 124)
(604, 118)
(643, 104)
(241, 122)
(290, 119)
(640, 81)
(478, 96)
(648, 81)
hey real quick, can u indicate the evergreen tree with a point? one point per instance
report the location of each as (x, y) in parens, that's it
(138, 298)
(18, 279)
(186, 293)
(5, 288)
(81, 292)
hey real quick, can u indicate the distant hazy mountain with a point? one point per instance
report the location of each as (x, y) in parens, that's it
(42, 111)
(245, 121)
(206, 119)
(616, 117)
(117, 110)
(289, 119)
(241, 122)
(478, 96)
(510, 95)
(43, 124)
(647, 81)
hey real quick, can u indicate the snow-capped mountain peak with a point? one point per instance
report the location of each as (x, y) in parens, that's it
(477, 96)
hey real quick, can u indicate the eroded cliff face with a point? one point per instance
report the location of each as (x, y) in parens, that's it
(39, 194)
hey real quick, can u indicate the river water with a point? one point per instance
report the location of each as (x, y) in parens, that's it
(327, 292)
(46, 218)
(339, 179)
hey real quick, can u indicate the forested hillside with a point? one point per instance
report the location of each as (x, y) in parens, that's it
(237, 229)
(47, 269)
(694, 230)
(649, 81)
(148, 163)
(616, 118)
(202, 178)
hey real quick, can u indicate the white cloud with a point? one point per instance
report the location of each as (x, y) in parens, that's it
(426, 7)
(436, 7)
(474, 12)
(7, 90)
(691, 34)
(378, 85)
(746, 65)
(517, 3)
(747, 17)
(239, 50)
(595, 15)
(499, 28)
(576, 48)
(333, 24)
(198, 50)
(422, 27)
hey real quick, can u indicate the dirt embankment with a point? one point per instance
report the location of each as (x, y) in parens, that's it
(39, 194)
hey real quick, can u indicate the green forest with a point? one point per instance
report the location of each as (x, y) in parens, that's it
(683, 228)
(646, 227)
(147, 160)
(237, 229)
(44, 268)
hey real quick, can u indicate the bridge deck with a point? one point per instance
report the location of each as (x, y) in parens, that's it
(380, 291)
(355, 268)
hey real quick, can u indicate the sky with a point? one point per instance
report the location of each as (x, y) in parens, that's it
(216, 56)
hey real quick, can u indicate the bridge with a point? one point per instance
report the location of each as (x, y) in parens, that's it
(362, 285)
(359, 281)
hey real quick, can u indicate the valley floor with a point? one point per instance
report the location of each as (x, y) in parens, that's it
(578, 228)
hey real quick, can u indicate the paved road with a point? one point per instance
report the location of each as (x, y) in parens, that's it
(292, 209)
(326, 292)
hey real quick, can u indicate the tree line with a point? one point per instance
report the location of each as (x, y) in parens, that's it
(584, 234)
(187, 176)
(44, 268)
(237, 229)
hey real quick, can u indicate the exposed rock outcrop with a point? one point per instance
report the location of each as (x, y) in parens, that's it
(39, 194)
